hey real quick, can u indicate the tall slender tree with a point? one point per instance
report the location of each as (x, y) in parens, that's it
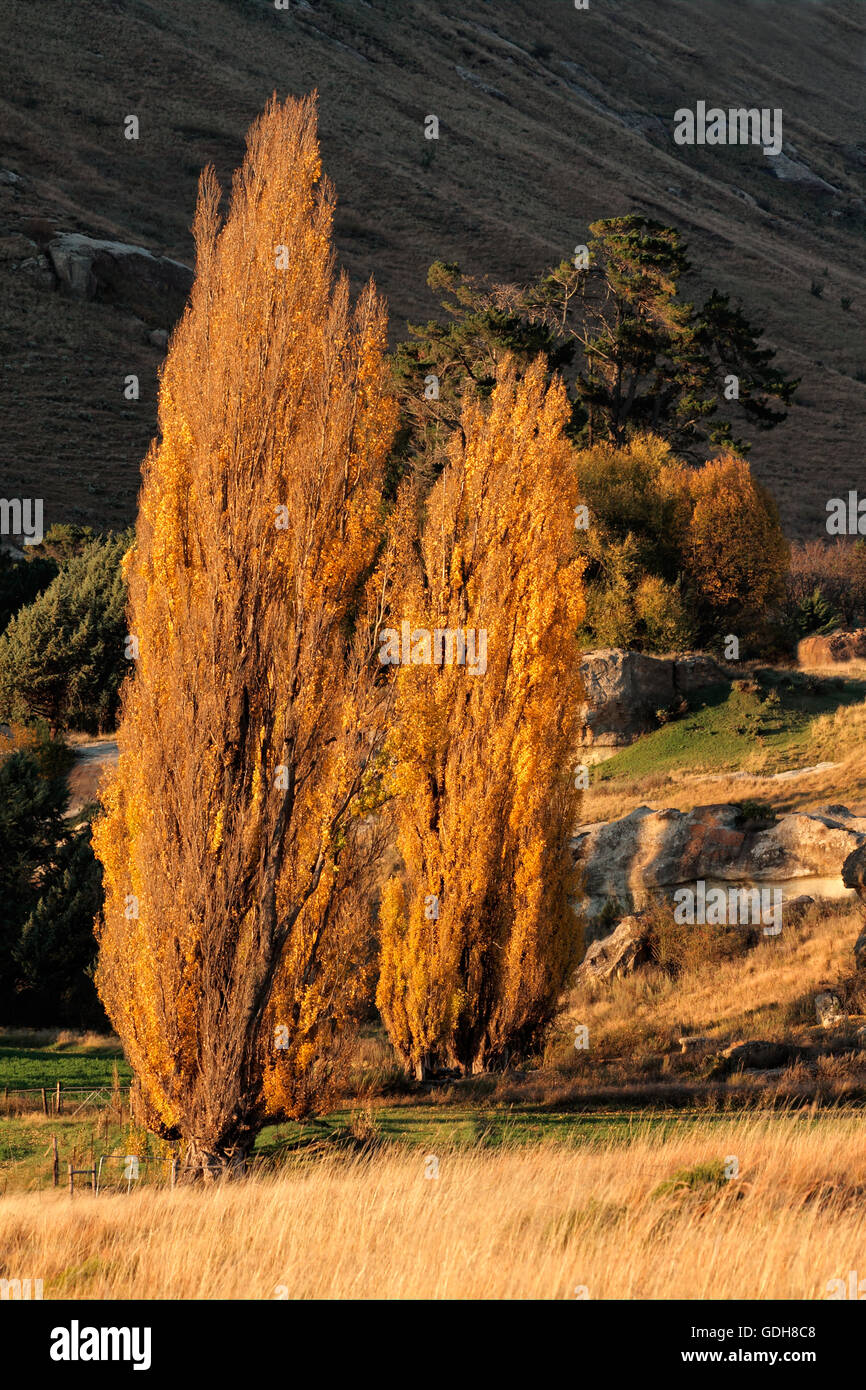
(477, 935)
(234, 843)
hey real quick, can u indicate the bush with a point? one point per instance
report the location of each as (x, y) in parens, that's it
(31, 825)
(21, 581)
(662, 615)
(735, 554)
(836, 572)
(676, 555)
(680, 948)
(56, 950)
(62, 657)
(50, 893)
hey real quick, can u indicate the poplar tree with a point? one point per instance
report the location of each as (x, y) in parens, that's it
(235, 938)
(477, 935)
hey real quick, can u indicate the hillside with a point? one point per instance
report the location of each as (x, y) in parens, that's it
(550, 117)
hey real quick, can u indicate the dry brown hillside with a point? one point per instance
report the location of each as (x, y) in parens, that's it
(550, 117)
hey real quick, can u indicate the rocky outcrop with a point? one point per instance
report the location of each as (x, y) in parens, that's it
(828, 1010)
(833, 649)
(616, 955)
(758, 1055)
(153, 287)
(854, 871)
(854, 877)
(625, 690)
(649, 852)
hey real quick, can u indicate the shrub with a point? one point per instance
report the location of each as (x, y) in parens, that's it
(836, 570)
(62, 657)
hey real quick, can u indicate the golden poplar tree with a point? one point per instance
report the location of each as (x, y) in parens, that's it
(477, 935)
(235, 940)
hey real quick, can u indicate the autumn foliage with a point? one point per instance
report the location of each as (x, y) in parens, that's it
(310, 671)
(736, 555)
(477, 935)
(676, 555)
(235, 943)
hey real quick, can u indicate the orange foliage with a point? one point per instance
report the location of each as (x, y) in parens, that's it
(234, 827)
(735, 552)
(478, 938)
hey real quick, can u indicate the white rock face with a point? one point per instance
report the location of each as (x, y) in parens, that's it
(655, 851)
(624, 689)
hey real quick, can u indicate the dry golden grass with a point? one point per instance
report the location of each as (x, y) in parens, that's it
(836, 741)
(767, 992)
(843, 732)
(514, 1223)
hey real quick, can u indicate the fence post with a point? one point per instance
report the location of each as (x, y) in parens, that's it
(44, 1101)
(57, 1100)
(55, 1164)
(71, 1179)
(93, 1178)
(174, 1172)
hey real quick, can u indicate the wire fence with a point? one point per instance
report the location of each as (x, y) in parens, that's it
(95, 1172)
(60, 1099)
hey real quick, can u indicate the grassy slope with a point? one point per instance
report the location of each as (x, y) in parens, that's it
(735, 730)
(550, 118)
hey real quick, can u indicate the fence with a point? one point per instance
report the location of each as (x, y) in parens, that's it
(137, 1170)
(58, 1099)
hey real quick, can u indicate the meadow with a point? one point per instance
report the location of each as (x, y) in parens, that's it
(657, 1217)
(635, 1169)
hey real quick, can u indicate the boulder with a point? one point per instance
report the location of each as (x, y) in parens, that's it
(854, 876)
(153, 287)
(795, 908)
(829, 1011)
(617, 955)
(832, 649)
(651, 852)
(624, 690)
(854, 871)
(758, 1055)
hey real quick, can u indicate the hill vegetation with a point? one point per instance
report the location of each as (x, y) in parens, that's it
(549, 119)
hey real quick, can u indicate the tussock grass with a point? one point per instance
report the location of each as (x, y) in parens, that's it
(619, 1221)
(766, 993)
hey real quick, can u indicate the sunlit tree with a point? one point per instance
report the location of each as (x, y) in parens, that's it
(477, 935)
(235, 844)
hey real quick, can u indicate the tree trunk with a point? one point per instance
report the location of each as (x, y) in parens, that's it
(426, 1068)
(214, 1162)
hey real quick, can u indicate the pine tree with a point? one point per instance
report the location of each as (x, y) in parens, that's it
(477, 935)
(636, 357)
(62, 658)
(31, 828)
(56, 950)
(235, 846)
